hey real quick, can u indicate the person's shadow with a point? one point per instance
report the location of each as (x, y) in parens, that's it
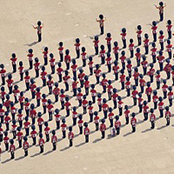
(31, 44)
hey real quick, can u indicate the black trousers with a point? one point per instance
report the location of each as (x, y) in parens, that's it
(39, 37)
(3, 80)
(37, 72)
(155, 105)
(86, 138)
(70, 143)
(60, 77)
(14, 68)
(133, 128)
(57, 124)
(127, 120)
(169, 34)
(34, 141)
(41, 149)
(91, 117)
(111, 122)
(27, 131)
(103, 134)
(96, 50)
(115, 103)
(45, 61)
(116, 56)
(161, 16)
(64, 134)
(146, 49)
(31, 64)
(12, 155)
(109, 48)
(26, 152)
(154, 58)
(61, 57)
(44, 82)
(139, 41)
(47, 138)
(152, 124)
(124, 43)
(102, 30)
(78, 53)
(154, 37)
(146, 116)
(81, 130)
(140, 108)
(118, 130)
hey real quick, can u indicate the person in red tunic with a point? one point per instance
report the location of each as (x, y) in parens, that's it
(168, 68)
(116, 50)
(129, 67)
(90, 108)
(2, 113)
(7, 120)
(134, 95)
(167, 116)
(43, 75)
(90, 65)
(84, 56)
(33, 113)
(114, 97)
(81, 76)
(10, 83)
(86, 132)
(50, 84)
(139, 33)
(13, 110)
(80, 124)
(109, 61)
(116, 69)
(117, 124)
(39, 26)
(54, 139)
(133, 122)
(161, 10)
(101, 21)
(33, 134)
(74, 115)
(169, 48)
(52, 63)
(169, 29)
(99, 101)
(45, 55)
(131, 48)
(14, 128)
(93, 93)
(96, 121)
(57, 118)
(146, 43)
(151, 72)
(74, 68)
(20, 136)
(108, 39)
(126, 113)
(6, 140)
(20, 117)
(96, 42)
(97, 72)
(30, 57)
(105, 108)
(164, 88)
(84, 104)
(59, 71)
(27, 126)
(155, 99)
(111, 116)
(25, 146)
(61, 51)
(109, 89)
(64, 127)
(104, 82)
(152, 119)
(86, 85)
(74, 86)
(138, 56)
(67, 106)
(70, 136)
(56, 92)
(67, 59)
(7, 102)
(16, 93)
(77, 47)
(122, 79)
(36, 67)
(148, 91)
(102, 54)
(41, 143)
(33, 88)
(50, 108)
(154, 30)
(62, 98)
(161, 40)
(12, 149)
(27, 80)
(123, 58)
(2, 94)
(170, 96)
(66, 78)
(21, 100)
(144, 64)
(161, 60)
(161, 106)
(142, 83)
(13, 60)
(123, 34)
(3, 73)
(38, 96)
(44, 103)
(103, 128)
(154, 50)
(40, 121)
(145, 110)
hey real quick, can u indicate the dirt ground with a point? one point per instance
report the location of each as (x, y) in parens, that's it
(146, 151)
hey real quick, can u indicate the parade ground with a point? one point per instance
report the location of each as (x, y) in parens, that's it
(144, 151)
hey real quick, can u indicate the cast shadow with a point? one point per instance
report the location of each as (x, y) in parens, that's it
(129, 133)
(31, 44)
(66, 148)
(6, 161)
(36, 154)
(50, 151)
(161, 127)
(21, 157)
(81, 144)
(147, 130)
(97, 140)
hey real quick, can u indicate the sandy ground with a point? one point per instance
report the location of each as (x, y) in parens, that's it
(146, 151)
